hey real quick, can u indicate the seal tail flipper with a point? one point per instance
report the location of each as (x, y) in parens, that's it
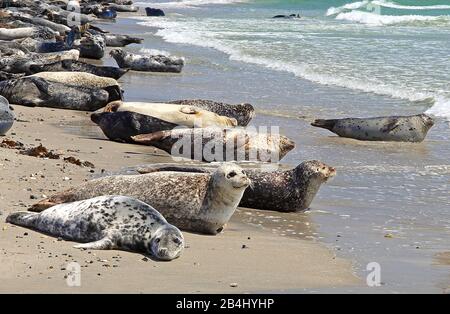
(103, 244)
(24, 219)
(326, 124)
(148, 139)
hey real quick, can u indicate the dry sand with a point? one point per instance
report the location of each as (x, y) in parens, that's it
(33, 262)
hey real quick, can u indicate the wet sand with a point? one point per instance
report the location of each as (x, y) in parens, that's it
(245, 254)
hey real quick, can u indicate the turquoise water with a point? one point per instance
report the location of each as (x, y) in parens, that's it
(340, 59)
(383, 47)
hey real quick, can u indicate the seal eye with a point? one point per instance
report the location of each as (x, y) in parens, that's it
(231, 174)
(177, 241)
(158, 240)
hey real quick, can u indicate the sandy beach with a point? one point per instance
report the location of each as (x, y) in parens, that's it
(252, 258)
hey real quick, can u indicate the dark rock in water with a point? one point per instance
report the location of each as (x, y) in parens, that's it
(92, 47)
(121, 126)
(154, 12)
(78, 66)
(6, 117)
(37, 92)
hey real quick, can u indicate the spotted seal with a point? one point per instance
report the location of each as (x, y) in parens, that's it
(6, 116)
(217, 144)
(198, 202)
(278, 190)
(393, 128)
(188, 116)
(108, 222)
(147, 63)
(243, 113)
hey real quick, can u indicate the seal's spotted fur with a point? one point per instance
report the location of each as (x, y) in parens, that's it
(108, 222)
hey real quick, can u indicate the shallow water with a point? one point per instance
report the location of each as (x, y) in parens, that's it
(395, 189)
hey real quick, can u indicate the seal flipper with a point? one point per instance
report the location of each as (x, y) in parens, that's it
(326, 124)
(24, 219)
(103, 244)
(148, 139)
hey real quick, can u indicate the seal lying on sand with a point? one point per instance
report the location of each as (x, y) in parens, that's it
(35, 91)
(78, 66)
(280, 190)
(106, 223)
(92, 47)
(123, 8)
(21, 64)
(116, 40)
(197, 202)
(188, 116)
(243, 113)
(86, 80)
(216, 144)
(16, 33)
(6, 116)
(150, 63)
(395, 128)
(121, 126)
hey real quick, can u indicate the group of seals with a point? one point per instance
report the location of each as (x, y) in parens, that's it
(277, 190)
(198, 202)
(147, 63)
(108, 222)
(392, 128)
(6, 116)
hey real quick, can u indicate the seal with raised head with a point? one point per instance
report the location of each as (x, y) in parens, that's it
(6, 116)
(188, 116)
(147, 63)
(86, 80)
(217, 144)
(198, 202)
(121, 126)
(243, 113)
(37, 92)
(393, 128)
(78, 66)
(106, 223)
(278, 190)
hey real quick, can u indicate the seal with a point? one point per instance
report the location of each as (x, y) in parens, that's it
(243, 113)
(121, 126)
(85, 80)
(154, 12)
(197, 202)
(216, 144)
(78, 66)
(277, 190)
(393, 128)
(16, 33)
(149, 63)
(92, 47)
(106, 223)
(188, 116)
(21, 64)
(6, 116)
(37, 92)
(123, 8)
(116, 40)
(4, 76)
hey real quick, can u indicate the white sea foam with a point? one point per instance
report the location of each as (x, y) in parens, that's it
(348, 6)
(381, 20)
(393, 5)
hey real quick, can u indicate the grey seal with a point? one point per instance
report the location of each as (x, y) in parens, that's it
(278, 190)
(6, 116)
(147, 63)
(121, 126)
(393, 128)
(108, 222)
(38, 92)
(198, 202)
(217, 144)
(78, 66)
(243, 113)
